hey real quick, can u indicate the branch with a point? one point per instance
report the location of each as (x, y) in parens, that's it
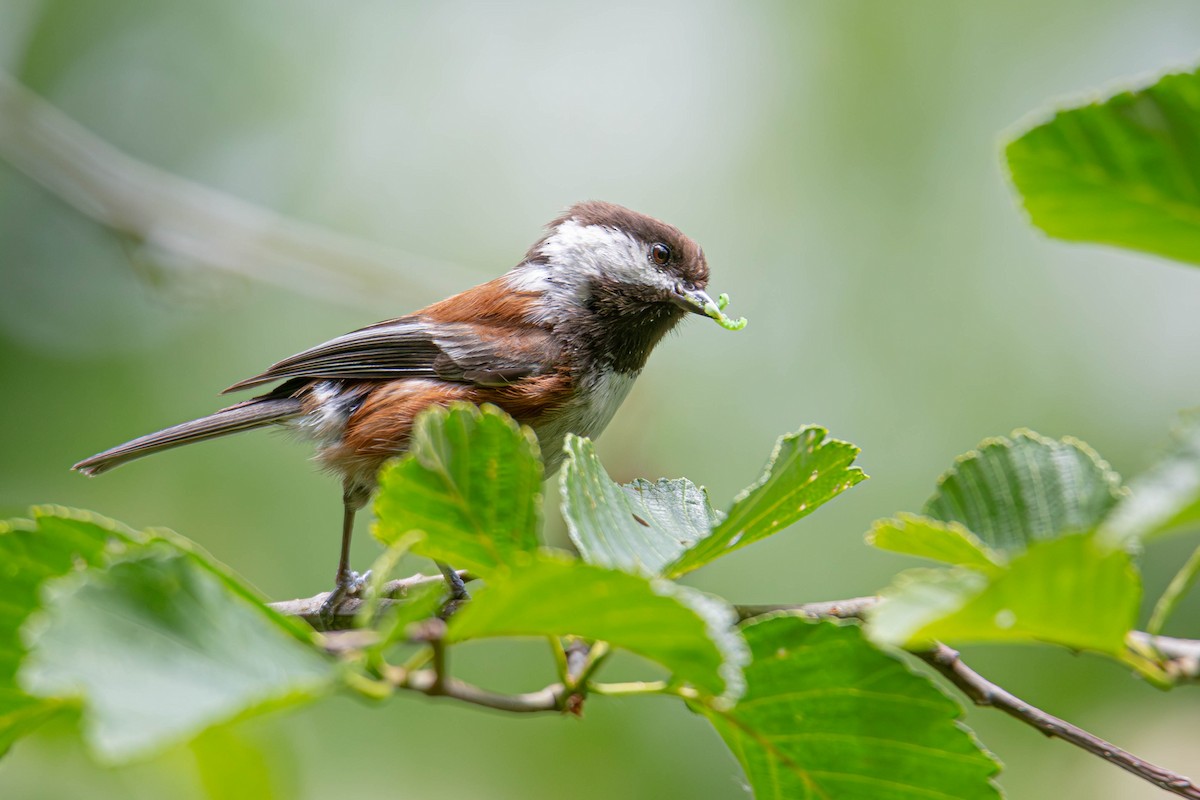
(985, 693)
(1182, 654)
(308, 608)
(424, 681)
(1181, 657)
(436, 682)
(854, 608)
(186, 224)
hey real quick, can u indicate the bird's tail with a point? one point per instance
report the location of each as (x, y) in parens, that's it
(242, 417)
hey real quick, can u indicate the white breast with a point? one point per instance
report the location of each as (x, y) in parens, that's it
(587, 415)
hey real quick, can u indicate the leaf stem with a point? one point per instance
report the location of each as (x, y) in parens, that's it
(417, 660)
(560, 659)
(308, 608)
(631, 688)
(368, 687)
(1176, 589)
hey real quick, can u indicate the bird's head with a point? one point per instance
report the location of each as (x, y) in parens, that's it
(622, 279)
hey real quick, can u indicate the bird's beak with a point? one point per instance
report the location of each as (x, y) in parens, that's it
(696, 301)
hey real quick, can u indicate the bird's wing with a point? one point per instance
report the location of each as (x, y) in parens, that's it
(417, 347)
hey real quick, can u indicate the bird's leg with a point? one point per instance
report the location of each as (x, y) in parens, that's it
(344, 578)
(347, 582)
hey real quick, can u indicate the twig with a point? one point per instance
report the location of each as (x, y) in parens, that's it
(1179, 658)
(186, 224)
(433, 632)
(985, 693)
(436, 681)
(547, 699)
(854, 608)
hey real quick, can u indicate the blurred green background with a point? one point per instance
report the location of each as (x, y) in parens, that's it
(839, 162)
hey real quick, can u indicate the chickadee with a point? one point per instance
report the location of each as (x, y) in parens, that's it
(556, 342)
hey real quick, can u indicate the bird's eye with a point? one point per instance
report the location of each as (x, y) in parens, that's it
(660, 254)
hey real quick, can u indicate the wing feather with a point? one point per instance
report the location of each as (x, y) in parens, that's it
(415, 347)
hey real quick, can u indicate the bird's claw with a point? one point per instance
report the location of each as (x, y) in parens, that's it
(358, 583)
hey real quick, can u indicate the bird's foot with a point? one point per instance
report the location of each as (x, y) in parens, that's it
(454, 582)
(349, 584)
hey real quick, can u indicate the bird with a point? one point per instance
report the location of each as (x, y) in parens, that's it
(556, 342)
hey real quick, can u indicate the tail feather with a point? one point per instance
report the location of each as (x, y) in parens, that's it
(242, 417)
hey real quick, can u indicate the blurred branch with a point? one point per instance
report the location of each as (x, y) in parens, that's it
(186, 224)
(436, 682)
(547, 699)
(1180, 657)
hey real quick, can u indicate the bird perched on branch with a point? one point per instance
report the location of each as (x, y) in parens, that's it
(556, 342)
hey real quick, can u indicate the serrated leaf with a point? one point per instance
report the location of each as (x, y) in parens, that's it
(159, 648)
(640, 527)
(1013, 491)
(689, 633)
(827, 715)
(949, 542)
(805, 471)
(55, 542)
(1166, 496)
(471, 481)
(1124, 171)
(1073, 591)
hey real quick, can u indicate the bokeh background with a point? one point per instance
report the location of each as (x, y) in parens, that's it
(839, 162)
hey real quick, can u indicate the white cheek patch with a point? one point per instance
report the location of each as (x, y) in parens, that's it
(575, 256)
(596, 250)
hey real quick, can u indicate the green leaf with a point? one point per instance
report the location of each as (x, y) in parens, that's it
(158, 648)
(949, 542)
(1073, 591)
(1165, 497)
(471, 481)
(380, 573)
(805, 470)
(827, 715)
(1124, 171)
(55, 542)
(421, 604)
(1011, 492)
(640, 527)
(689, 633)
(233, 767)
